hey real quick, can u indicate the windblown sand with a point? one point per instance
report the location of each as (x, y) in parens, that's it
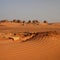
(43, 46)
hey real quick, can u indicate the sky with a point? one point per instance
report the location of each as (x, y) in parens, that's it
(30, 9)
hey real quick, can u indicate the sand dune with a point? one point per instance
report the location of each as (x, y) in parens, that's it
(43, 45)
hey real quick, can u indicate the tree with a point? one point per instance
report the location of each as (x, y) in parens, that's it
(14, 20)
(35, 22)
(4, 21)
(18, 21)
(23, 22)
(29, 21)
(44, 21)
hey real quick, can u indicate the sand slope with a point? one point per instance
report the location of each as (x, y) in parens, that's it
(41, 47)
(45, 45)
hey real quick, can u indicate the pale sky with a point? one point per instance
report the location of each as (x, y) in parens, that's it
(30, 9)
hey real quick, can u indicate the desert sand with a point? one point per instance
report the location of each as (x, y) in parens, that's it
(29, 41)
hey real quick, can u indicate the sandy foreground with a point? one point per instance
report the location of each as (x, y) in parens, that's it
(43, 46)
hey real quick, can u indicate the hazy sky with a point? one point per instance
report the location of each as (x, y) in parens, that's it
(30, 9)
